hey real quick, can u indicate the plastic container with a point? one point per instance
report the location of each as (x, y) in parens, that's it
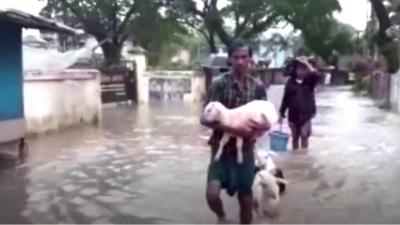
(278, 141)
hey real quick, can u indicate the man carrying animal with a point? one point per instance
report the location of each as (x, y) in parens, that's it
(233, 89)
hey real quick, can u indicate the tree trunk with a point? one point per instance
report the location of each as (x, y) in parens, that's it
(212, 45)
(112, 52)
(383, 19)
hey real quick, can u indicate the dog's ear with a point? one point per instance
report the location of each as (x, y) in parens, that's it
(264, 185)
(210, 107)
(217, 108)
(279, 173)
(282, 181)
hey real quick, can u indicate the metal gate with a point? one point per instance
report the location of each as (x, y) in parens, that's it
(119, 84)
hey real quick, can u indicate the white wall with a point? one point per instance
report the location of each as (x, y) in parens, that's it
(198, 90)
(12, 130)
(53, 100)
(142, 80)
(395, 91)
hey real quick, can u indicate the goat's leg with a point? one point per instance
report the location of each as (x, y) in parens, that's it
(259, 211)
(222, 143)
(239, 149)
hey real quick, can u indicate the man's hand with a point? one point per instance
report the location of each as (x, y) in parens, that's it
(245, 131)
(305, 62)
(260, 127)
(251, 128)
(280, 121)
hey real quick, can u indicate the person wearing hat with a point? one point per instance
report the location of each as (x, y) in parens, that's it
(299, 101)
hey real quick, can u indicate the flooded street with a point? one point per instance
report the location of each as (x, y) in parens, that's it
(148, 164)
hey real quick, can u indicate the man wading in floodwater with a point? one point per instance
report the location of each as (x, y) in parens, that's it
(233, 89)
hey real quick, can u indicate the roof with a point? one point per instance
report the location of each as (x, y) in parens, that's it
(27, 20)
(216, 61)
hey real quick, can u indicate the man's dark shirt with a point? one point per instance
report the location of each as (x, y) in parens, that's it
(224, 89)
(299, 98)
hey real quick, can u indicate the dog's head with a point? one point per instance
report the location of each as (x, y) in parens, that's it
(212, 112)
(272, 183)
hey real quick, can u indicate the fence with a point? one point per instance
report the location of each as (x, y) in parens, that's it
(119, 84)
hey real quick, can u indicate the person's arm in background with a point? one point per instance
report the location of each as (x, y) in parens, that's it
(285, 103)
(312, 79)
(314, 76)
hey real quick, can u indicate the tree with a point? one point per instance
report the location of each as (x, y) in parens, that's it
(320, 31)
(387, 13)
(386, 36)
(333, 39)
(250, 18)
(247, 19)
(53, 11)
(156, 32)
(106, 20)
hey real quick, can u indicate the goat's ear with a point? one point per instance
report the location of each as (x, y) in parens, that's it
(264, 117)
(216, 106)
(282, 181)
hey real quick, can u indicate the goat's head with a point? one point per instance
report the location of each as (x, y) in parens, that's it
(212, 111)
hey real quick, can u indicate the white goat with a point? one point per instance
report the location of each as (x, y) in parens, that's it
(259, 111)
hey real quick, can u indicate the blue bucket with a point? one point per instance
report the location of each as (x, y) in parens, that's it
(278, 141)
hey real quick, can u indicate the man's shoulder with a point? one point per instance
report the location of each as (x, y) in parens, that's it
(220, 79)
(256, 81)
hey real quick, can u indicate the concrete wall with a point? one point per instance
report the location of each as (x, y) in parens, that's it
(54, 100)
(142, 79)
(395, 91)
(166, 84)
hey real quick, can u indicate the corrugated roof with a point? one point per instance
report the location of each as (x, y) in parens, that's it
(216, 60)
(27, 20)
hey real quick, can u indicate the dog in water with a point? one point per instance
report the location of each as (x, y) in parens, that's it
(266, 193)
(267, 188)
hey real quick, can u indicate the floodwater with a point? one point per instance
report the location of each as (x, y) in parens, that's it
(148, 164)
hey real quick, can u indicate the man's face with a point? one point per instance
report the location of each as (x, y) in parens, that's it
(240, 60)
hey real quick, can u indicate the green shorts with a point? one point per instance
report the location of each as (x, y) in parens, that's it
(233, 177)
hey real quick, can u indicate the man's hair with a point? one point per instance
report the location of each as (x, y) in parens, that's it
(236, 44)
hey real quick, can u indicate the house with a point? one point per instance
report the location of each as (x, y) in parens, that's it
(12, 118)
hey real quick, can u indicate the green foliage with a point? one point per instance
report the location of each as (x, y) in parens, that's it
(334, 39)
(157, 33)
(252, 17)
(321, 33)
(391, 53)
(112, 22)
